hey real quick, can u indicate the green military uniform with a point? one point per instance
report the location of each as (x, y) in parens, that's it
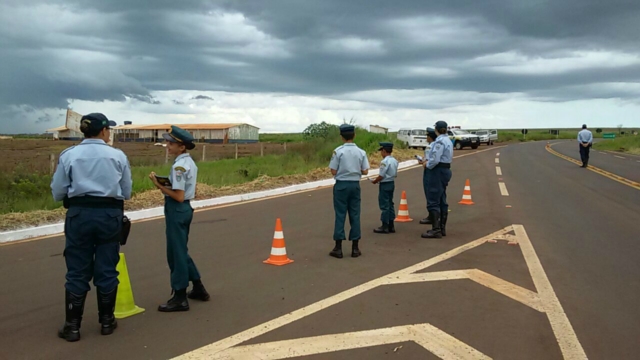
(387, 176)
(178, 217)
(349, 161)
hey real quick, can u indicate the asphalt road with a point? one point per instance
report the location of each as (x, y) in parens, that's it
(625, 165)
(582, 225)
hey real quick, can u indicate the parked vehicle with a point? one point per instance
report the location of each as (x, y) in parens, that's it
(413, 138)
(488, 137)
(463, 138)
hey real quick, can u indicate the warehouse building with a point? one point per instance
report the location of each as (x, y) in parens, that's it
(376, 129)
(209, 133)
(63, 133)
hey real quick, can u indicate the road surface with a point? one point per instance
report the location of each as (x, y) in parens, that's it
(569, 287)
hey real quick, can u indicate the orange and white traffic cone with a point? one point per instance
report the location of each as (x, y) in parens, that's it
(278, 250)
(466, 195)
(403, 211)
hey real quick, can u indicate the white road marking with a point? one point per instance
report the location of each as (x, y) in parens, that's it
(498, 154)
(431, 338)
(503, 189)
(498, 171)
(566, 336)
(619, 157)
(497, 160)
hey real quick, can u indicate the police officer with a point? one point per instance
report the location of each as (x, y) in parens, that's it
(93, 179)
(431, 137)
(585, 139)
(178, 215)
(439, 165)
(347, 165)
(386, 179)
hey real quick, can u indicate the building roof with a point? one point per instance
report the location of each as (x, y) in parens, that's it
(378, 126)
(58, 129)
(166, 127)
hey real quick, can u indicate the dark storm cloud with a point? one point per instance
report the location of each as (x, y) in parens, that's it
(202, 97)
(108, 50)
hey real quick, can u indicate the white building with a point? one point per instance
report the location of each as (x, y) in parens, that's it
(210, 133)
(378, 129)
(63, 133)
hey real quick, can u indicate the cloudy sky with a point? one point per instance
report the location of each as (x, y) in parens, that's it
(283, 64)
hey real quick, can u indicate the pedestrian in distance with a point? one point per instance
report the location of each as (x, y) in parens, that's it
(92, 179)
(179, 189)
(585, 139)
(431, 137)
(386, 179)
(439, 165)
(347, 165)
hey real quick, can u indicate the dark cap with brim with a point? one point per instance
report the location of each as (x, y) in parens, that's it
(432, 133)
(95, 122)
(441, 125)
(180, 136)
(346, 128)
(386, 146)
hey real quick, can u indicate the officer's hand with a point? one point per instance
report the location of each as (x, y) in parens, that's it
(152, 176)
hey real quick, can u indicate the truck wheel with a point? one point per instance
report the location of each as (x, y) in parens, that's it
(458, 145)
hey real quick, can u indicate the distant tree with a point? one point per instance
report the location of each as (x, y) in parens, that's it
(620, 129)
(598, 130)
(351, 121)
(321, 130)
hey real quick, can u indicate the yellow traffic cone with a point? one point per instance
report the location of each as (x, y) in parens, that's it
(125, 306)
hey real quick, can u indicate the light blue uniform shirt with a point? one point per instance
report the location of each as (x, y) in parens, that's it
(441, 151)
(388, 169)
(585, 136)
(92, 168)
(184, 174)
(349, 161)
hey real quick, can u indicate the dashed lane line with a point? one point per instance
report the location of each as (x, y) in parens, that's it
(498, 171)
(503, 189)
(497, 160)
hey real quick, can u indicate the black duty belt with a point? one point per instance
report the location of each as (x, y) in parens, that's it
(96, 202)
(444, 165)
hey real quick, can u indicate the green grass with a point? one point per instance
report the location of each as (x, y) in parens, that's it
(629, 144)
(281, 138)
(23, 191)
(538, 135)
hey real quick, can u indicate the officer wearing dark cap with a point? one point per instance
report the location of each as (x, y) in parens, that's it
(386, 179)
(347, 165)
(585, 139)
(431, 137)
(93, 179)
(178, 216)
(439, 164)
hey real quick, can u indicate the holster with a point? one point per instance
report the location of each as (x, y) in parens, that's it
(126, 228)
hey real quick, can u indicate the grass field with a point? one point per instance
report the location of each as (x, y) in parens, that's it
(627, 144)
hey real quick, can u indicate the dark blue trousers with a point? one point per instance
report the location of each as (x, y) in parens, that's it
(437, 193)
(385, 201)
(92, 248)
(425, 185)
(178, 218)
(346, 199)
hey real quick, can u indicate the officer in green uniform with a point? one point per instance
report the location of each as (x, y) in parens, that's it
(386, 179)
(178, 215)
(431, 137)
(347, 165)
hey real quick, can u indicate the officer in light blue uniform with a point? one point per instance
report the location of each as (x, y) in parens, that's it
(431, 137)
(178, 216)
(347, 165)
(585, 140)
(93, 180)
(439, 165)
(386, 179)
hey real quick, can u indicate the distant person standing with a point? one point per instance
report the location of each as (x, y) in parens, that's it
(386, 179)
(178, 216)
(431, 137)
(439, 163)
(93, 179)
(347, 165)
(585, 139)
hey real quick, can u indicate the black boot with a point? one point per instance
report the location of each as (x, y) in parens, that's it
(106, 307)
(178, 302)
(355, 252)
(74, 308)
(384, 229)
(435, 232)
(426, 221)
(198, 292)
(443, 223)
(392, 227)
(337, 250)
